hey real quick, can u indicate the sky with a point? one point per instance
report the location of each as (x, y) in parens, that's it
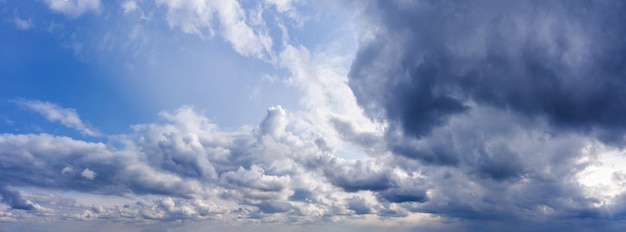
(294, 115)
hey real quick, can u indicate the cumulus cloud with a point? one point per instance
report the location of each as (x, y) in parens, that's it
(87, 174)
(55, 113)
(275, 122)
(187, 158)
(184, 167)
(73, 8)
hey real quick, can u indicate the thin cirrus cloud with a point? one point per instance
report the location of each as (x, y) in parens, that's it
(66, 116)
(484, 115)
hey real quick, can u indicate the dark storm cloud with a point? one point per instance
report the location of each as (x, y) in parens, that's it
(497, 98)
(423, 61)
(399, 195)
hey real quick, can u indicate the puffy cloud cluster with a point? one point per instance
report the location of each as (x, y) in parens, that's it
(192, 169)
(184, 167)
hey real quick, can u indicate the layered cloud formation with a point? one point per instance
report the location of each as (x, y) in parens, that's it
(256, 172)
(484, 115)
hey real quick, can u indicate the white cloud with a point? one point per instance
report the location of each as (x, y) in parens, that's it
(88, 174)
(275, 122)
(129, 6)
(23, 24)
(73, 8)
(281, 5)
(195, 166)
(184, 167)
(604, 178)
(55, 113)
(322, 78)
(197, 17)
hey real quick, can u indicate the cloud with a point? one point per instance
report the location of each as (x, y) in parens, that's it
(187, 158)
(15, 200)
(494, 103)
(129, 6)
(197, 17)
(473, 123)
(275, 122)
(55, 113)
(73, 8)
(281, 5)
(428, 60)
(23, 24)
(87, 174)
(183, 167)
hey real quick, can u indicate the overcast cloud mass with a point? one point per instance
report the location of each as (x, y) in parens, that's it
(139, 115)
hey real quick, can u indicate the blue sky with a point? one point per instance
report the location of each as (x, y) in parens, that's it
(293, 115)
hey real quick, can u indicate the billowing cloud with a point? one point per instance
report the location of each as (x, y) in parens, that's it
(266, 170)
(55, 113)
(183, 167)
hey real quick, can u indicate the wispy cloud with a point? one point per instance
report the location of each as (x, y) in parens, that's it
(23, 24)
(198, 17)
(73, 8)
(66, 116)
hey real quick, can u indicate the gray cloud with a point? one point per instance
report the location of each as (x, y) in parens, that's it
(556, 60)
(15, 200)
(494, 103)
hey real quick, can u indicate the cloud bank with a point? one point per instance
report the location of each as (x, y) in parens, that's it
(183, 167)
